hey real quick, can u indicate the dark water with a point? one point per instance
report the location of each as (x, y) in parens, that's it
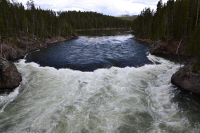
(116, 100)
(101, 49)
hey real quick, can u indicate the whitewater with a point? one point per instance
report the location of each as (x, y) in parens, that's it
(107, 100)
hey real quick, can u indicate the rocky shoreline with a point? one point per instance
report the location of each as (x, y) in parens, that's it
(15, 48)
(187, 77)
(10, 77)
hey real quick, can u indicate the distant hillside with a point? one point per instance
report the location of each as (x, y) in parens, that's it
(93, 20)
(15, 18)
(127, 17)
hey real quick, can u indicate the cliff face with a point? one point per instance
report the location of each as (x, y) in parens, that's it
(15, 48)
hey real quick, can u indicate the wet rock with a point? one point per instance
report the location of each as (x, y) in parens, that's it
(188, 77)
(10, 78)
(11, 53)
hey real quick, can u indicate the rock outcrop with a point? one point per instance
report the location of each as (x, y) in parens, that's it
(188, 77)
(12, 53)
(167, 48)
(9, 76)
(14, 48)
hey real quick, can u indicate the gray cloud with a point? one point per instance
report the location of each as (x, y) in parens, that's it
(107, 7)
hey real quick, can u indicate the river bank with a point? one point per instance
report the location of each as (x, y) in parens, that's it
(109, 99)
(99, 29)
(188, 76)
(16, 47)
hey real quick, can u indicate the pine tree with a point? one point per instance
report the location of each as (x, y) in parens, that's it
(198, 6)
(194, 44)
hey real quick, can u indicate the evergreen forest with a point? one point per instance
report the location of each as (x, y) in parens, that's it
(174, 20)
(15, 18)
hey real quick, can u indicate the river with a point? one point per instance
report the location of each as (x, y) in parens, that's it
(99, 83)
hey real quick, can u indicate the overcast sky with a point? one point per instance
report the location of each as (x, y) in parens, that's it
(107, 7)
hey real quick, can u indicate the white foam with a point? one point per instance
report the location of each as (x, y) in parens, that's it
(106, 100)
(6, 99)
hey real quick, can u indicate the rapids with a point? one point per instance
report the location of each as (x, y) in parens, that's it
(107, 100)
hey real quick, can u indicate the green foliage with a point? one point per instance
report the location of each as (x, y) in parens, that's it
(195, 67)
(43, 23)
(127, 17)
(93, 20)
(181, 18)
(142, 25)
(172, 20)
(194, 42)
(14, 41)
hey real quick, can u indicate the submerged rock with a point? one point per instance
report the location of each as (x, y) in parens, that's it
(188, 77)
(10, 78)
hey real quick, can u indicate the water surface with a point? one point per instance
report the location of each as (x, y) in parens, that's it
(88, 53)
(112, 99)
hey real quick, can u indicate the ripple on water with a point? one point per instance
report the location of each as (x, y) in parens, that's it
(111, 100)
(90, 53)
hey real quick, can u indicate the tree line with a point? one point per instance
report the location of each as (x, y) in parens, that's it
(172, 20)
(93, 20)
(14, 18)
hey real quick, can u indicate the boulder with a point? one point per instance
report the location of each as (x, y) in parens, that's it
(12, 53)
(188, 77)
(10, 78)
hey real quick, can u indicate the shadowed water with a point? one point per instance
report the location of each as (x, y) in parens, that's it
(88, 53)
(107, 100)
